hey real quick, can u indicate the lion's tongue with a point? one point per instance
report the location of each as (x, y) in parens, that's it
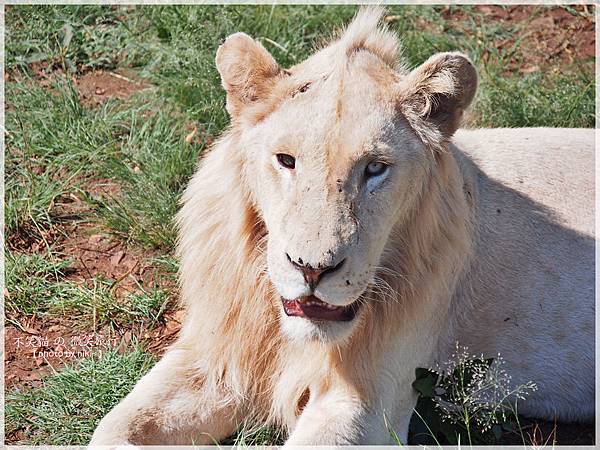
(313, 308)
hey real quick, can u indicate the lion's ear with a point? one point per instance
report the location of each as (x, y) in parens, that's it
(247, 71)
(435, 95)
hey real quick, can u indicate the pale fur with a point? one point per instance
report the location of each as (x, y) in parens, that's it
(487, 241)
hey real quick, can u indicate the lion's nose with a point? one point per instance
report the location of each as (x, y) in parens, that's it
(312, 275)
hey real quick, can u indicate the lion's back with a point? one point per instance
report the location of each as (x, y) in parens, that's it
(531, 284)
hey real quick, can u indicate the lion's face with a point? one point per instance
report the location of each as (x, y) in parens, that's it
(336, 168)
(333, 165)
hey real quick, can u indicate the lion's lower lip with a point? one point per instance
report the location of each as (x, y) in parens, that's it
(313, 308)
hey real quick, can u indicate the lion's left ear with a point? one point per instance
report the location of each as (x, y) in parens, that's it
(434, 96)
(247, 71)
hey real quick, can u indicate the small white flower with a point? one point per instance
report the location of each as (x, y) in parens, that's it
(485, 399)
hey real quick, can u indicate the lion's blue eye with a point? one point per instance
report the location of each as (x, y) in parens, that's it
(375, 168)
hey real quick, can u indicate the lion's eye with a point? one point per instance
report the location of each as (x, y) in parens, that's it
(287, 161)
(375, 168)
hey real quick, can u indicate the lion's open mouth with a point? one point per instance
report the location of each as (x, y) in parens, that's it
(313, 308)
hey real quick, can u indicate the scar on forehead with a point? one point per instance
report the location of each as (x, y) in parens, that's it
(307, 85)
(302, 89)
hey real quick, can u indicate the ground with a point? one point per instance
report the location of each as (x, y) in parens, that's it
(108, 109)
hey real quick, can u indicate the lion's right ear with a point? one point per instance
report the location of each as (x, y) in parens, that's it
(248, 71)
(436, 94)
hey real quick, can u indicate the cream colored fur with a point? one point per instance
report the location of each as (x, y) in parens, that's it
(485, 238)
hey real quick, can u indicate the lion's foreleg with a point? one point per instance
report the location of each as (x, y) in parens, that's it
(339, 416)
(350, 423)
(333, 417)
(168, 407)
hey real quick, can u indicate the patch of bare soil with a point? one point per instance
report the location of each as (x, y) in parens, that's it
(95, 88)
(66, 210)
(40, 347)
(30, 239)
(549, 34)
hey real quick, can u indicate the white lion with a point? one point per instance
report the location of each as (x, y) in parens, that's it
(338, 236)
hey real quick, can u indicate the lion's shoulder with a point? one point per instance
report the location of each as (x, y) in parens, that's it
(552, 167)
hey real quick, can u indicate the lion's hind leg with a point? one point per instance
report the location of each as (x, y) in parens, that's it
(167, 407)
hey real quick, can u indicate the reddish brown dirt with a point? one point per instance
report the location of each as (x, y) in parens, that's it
(543, 35)
(95, 88)
(94, 255)
(42, 346)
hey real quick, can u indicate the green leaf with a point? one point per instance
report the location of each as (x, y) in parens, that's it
(508, 426)
(420, 372)
(425, 382)
(497, 430)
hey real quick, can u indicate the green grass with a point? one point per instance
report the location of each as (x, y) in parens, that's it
(567, 99)
(67, 407)
(57, 147)
(37, 286)
(152, 164)
(53, 145)
(253, 434)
